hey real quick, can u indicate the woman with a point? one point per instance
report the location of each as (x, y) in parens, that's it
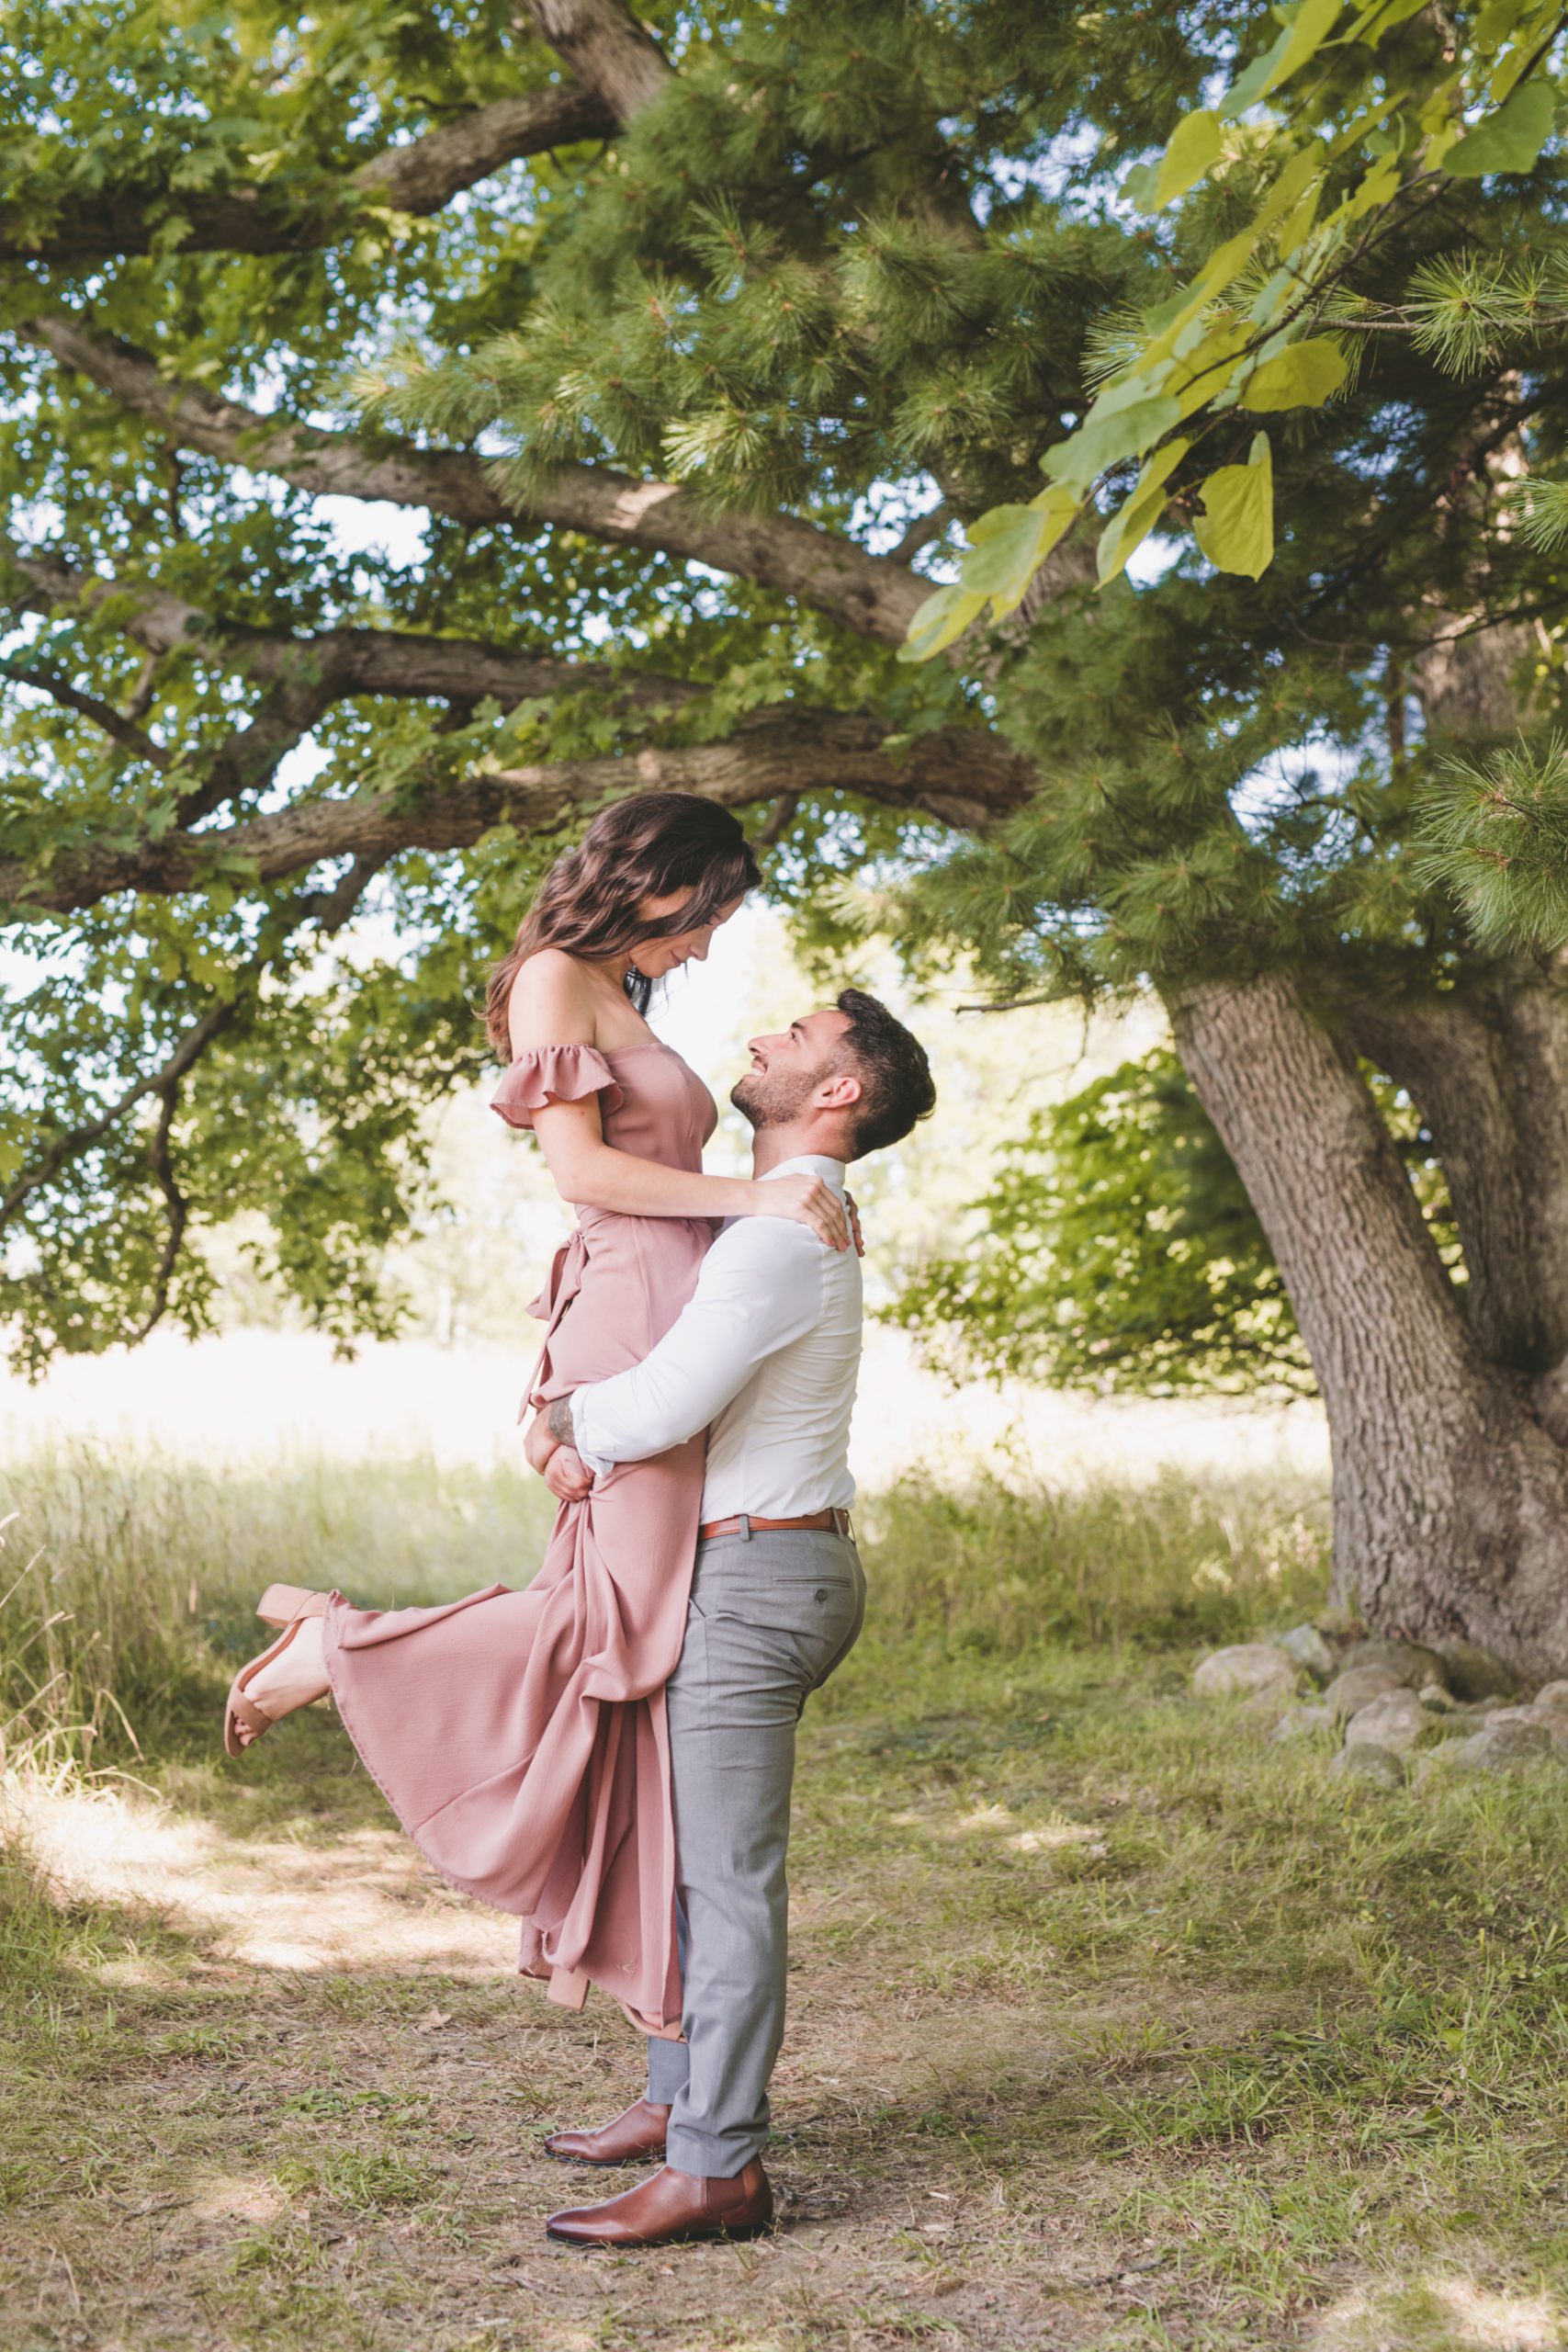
(520, 1736)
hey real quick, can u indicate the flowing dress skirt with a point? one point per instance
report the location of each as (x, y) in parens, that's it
(520, 1737)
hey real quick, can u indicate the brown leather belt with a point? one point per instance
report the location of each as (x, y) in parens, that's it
(746, 1521)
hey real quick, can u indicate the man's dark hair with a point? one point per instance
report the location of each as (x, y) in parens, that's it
(894, 1076)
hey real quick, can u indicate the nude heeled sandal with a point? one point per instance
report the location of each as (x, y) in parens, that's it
(294, 1605)
(280, 1605)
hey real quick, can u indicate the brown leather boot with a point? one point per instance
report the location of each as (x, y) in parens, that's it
(637, 2133)
(671, 2207)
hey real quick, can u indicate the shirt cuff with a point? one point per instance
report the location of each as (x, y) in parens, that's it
(593, 1458)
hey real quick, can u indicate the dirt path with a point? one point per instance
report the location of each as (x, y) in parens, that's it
(1111, 2025)
(306, 2106)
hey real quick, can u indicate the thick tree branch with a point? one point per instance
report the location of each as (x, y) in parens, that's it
(962, 776)
(274, 217)
(348, 661)
(304, 676)
(872, 595)
(607, 50)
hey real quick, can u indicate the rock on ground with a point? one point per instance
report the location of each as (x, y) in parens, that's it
(1492, 1750)
(1306, 1646)
(1379, 1765)
(1300, 1722)
(1551, 1720)
(1350, 1691)
(1409, 1662)
(1247, 1666)
(1471, 1672)
(1397, 1720)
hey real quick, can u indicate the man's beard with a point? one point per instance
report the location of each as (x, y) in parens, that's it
(766, 1101)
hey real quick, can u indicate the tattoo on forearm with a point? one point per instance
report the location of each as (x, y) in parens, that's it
(557, 1420)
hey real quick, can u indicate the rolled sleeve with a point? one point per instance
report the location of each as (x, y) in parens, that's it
(585, 1436)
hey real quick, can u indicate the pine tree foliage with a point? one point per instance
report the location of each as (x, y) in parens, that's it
(1503, 831)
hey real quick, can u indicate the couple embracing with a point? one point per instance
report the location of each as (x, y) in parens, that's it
(609, 1752)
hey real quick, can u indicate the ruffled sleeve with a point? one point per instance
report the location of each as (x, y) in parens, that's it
(567, 1073)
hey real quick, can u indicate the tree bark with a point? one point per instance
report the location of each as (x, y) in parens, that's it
(606, 48)
(1450, 1494)
(1487, 1064)
(345, 660)
(418, 178)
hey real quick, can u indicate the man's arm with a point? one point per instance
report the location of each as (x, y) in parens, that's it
(759, 1287)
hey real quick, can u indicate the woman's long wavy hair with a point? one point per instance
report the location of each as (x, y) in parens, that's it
(647, 847)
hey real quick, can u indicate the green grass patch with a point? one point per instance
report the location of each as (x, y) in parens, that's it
(1114, 2023)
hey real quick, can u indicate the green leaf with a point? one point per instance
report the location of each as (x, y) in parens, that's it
(1228, 259)
(1248, 88)
(1310, 28)
(1123, 422)
(1138, 514)
(1513, 65)
(1235, 529)
(1381, 16)
(1374, 188)
(1297, 45)
(1011, 543)
(1141, 186)
(1195, 143)
(941, 619)
(1496, 21)
(1304, 375)
(1510, 140)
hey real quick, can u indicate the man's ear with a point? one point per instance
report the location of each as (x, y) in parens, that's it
(837, 1092)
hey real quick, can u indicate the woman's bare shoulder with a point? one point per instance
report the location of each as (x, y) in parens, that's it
(552, 1002)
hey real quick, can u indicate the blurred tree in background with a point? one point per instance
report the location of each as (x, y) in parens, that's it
(417, 426)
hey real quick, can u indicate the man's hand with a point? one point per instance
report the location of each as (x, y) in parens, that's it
(549, 1449)
(567, 1476)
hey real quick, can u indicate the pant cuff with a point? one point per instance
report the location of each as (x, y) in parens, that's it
(693, 2151)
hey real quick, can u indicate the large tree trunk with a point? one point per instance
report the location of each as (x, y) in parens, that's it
(1487, 1065)
(1450, 1490)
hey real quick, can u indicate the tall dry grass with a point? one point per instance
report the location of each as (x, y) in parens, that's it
(126, 1581)
(998, 1566)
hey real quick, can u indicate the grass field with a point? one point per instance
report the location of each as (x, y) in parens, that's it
(1114, 2024)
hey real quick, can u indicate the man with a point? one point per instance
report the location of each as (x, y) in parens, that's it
(765, 1358)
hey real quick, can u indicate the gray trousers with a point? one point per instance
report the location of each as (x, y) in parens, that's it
(771, 1616)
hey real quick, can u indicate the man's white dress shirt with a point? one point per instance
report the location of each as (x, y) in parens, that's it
(764, 1357)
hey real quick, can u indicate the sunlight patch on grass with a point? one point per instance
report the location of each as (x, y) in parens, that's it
(1440, 2312)
(366, 1900)
(232, 2197)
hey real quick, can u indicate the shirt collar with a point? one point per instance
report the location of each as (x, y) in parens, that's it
(810, 1163)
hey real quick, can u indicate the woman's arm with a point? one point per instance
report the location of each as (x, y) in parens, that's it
(552, 1004)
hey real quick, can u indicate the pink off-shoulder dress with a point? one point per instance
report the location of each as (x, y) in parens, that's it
(520, 1737)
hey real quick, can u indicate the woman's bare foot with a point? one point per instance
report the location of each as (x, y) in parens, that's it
(295, 1677)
